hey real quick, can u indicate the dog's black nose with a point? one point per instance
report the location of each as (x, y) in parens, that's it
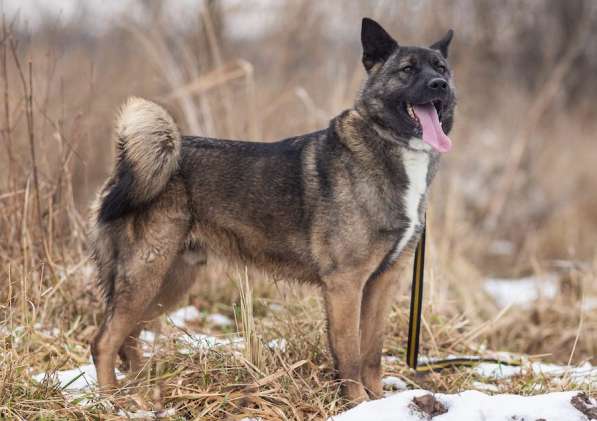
(438, 84)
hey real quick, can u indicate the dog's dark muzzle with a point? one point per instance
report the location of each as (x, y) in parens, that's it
(433, 89)
(438, 85)
(437, 91)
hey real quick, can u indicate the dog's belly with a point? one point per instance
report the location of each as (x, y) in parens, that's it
(284, 256)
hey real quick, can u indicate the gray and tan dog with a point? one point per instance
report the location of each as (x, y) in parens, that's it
(341, 208)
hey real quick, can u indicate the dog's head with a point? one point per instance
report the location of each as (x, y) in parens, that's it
(409, 90)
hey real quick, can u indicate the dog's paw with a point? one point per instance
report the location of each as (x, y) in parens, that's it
(355, 393)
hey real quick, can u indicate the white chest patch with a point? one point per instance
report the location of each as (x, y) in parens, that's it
(416, 165)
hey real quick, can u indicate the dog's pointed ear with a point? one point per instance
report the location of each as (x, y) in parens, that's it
(378, 45)
(443, 44)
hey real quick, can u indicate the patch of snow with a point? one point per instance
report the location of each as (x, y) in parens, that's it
(180, 317)
(190, 342)
(17, 333)
(589, 304)
(54, 332)
(394, 383)
(469, 405)
(220, 320)
(521, 291)
(497, 371)
(276, 307)
(199, 341)
(76, 380)
(279, 344)
(584, 374)
(392, 408)
(148, 337)
(486, 387)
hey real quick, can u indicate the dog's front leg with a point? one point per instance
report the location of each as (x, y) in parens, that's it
(378, 295)
(343, 297)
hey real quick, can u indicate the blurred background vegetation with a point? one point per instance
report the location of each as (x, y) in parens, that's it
(521, 172)
(516, 196)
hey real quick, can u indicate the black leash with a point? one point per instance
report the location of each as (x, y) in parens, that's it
(414, 324)
(416, 303)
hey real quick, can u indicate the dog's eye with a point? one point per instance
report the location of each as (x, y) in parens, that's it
(441, 68)
(407, 69)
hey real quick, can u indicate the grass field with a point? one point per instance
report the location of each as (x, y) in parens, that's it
(515, 198)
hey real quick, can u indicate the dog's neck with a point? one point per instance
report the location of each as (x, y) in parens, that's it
(354, 124)
(414, 144)
(363, 137)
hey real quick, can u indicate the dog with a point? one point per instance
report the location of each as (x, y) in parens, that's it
(342, 208)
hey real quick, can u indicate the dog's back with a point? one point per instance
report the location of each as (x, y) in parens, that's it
(247, 201)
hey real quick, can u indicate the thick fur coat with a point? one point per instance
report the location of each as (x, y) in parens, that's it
(342, 208)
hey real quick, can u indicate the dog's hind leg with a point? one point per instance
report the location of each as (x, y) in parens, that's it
(377, 300)
(179, 279)
(123, 320)
(140, 275)
(129, 352)
(117, 327)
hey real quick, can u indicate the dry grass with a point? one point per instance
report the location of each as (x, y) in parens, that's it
(58, 95)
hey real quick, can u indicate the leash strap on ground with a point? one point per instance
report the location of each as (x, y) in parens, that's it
(414, 324)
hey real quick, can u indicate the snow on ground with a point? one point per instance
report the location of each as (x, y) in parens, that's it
(279, 344)
(485, 387)
(79, 384)
(583, 374)
(521, 291)
(76, 380)
(466, 406)
(180, 317)
(589, 304)
(217, 319)
(394, 383)
(198, 341)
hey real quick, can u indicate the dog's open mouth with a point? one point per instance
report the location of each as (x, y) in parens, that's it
(427, 117)
(413, 116)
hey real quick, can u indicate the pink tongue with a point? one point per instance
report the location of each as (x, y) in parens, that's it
(432, 129)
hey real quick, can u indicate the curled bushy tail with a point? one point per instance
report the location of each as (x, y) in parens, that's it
(148, 151)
